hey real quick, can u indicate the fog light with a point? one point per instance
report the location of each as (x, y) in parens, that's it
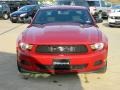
(25, 62)
(99, 62)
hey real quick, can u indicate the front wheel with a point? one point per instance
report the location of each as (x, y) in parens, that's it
(5, 16)
(19, 68)
(14, 21)
(29, 19)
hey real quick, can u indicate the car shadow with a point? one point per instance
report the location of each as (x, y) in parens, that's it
(10, 79)
(105, 24)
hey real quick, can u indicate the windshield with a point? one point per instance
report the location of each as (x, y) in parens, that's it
(116, 7)
(94, 3)
(103, 4)
(26, 8)
(63, 15)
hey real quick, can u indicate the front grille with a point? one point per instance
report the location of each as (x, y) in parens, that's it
(117, 17)
(61, 49)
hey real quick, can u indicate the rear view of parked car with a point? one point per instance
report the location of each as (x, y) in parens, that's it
(114, 16)
(4, 11)
(24, 14)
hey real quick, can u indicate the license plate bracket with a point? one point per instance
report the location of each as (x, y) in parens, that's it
(61, 64)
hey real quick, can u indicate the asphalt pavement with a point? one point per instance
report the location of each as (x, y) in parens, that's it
(10, 79)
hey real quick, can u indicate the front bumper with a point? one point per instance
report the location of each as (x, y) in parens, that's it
(18, 19)
(43, 63)
(114, 22)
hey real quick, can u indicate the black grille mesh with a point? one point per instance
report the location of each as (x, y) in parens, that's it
(61, 49)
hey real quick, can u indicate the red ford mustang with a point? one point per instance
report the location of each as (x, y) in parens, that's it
(62, 39)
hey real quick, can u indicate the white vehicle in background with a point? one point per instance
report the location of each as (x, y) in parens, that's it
(72, 2)
(99, 8)
(114, 16)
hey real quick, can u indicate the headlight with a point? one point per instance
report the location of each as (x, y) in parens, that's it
(97, 46)
(24, 14)
(25, 46)
(112, 17)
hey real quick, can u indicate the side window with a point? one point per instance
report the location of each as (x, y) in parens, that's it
(35, 8)
(94, 3)
(5, 6)
(103, 4)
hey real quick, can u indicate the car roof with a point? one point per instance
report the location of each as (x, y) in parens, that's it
(3, 3)
(64, 7)
(32, 5)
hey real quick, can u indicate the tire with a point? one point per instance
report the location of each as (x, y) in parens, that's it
(29, 19)
(102, 70)
(22, 72)
(5, 16)
(13, 21)
(19, 68)
(110, 25)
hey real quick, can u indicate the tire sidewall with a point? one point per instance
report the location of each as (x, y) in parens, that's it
(5, 16)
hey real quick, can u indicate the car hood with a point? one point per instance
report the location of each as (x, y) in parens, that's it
(114, 14)
(17, 13)
(61, 34)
